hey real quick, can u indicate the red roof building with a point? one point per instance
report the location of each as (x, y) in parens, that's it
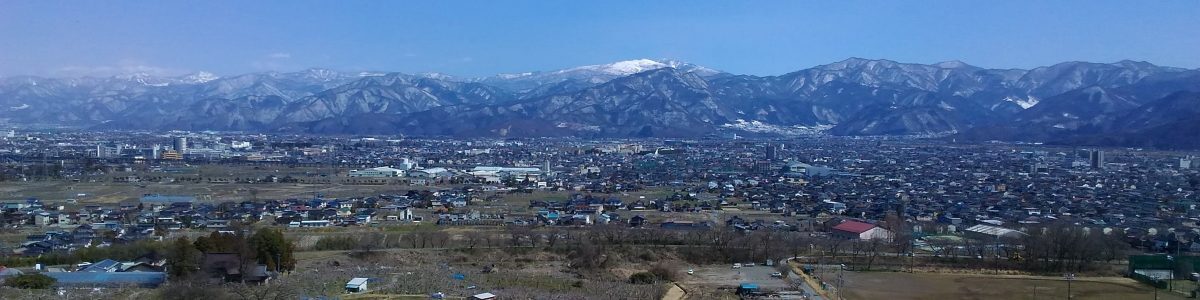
(855, 230)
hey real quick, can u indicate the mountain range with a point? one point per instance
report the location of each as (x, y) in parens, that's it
(1126, 103)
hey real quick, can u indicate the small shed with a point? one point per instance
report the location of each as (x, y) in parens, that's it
(357, 285)
(747, 288)
(484, 296)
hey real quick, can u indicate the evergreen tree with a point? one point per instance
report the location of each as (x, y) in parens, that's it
(183, 258)
(273, 249)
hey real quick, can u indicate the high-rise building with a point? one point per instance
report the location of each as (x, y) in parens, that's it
(180, 145)
(1096, 157)
(772, 152)
(105, 151)
(1186, 162)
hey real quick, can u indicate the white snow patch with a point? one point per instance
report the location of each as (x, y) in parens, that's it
(513, 75)
(760, 127)
(945, 106)
(578, 126)
(627, 67)
(200, 77)
(1023, 103)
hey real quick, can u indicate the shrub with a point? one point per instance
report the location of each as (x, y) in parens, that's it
(643, 278)
(664, 273)
(30, 281)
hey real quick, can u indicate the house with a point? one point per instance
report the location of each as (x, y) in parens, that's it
(357, 285)
(106, 265)
(637, 221)
(231, 268)
(6, 272)
(855, 230)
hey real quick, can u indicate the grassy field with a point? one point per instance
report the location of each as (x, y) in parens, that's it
(889, 285)
(110, 192)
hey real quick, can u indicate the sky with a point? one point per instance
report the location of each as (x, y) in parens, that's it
(479, 38)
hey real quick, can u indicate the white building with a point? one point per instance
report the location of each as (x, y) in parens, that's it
(357, 285)
(495, 174)
(378, 172)
(239, 145)
(407, 164)
(429, 173)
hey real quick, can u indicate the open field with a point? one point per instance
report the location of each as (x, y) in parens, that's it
(725, 275)
(892, 285)
(110, 192)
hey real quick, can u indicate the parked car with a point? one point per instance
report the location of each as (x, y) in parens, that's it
(737, 266)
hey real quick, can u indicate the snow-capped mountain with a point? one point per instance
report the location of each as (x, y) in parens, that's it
(586, 76)
(200, 77)
(1064, 102)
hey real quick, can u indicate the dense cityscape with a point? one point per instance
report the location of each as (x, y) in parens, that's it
(68, 192)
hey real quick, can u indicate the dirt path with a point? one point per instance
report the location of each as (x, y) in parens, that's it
(811, 282)
(674, 293)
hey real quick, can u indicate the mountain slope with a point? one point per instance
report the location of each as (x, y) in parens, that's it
(1068, 102)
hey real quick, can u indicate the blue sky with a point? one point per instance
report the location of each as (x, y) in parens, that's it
(472, 38)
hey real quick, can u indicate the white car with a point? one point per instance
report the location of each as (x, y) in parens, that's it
(737, 266)
(691, 272)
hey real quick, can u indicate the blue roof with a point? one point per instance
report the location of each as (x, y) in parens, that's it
(749, 286)
(144, 279)
(102, 266)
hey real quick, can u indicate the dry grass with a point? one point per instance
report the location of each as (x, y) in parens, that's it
(888, 285)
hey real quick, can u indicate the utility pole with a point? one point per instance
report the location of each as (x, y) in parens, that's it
(1070, 277)
(1174, 266)
(841, 280)
(1155, 287)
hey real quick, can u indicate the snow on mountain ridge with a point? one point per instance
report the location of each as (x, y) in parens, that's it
(626, 67)
(200, 77)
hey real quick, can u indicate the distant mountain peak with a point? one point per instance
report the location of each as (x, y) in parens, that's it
(634, 66)
(858, 62)
(438, 76)
(200, 77)
(953, 64)
(625, 67)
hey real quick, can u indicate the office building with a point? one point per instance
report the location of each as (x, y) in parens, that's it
(1096, 157)
(181, 145)
(772, 152)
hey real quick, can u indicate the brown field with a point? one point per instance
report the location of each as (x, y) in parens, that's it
(889, 285)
